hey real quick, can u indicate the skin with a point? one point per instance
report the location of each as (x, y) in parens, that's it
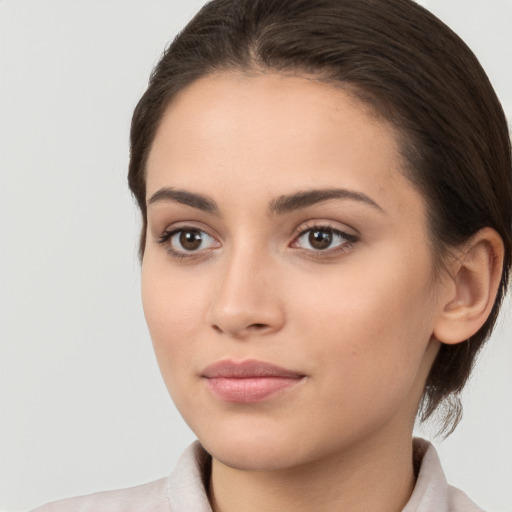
(357, 319)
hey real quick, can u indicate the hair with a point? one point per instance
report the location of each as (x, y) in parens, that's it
(414, 72)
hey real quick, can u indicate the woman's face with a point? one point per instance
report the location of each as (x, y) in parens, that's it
(287, 279)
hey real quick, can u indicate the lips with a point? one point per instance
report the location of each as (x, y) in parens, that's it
(248, 381)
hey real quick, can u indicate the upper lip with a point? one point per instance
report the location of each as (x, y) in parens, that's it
(247, 369)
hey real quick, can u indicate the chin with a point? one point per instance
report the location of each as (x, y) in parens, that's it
(247, 456)
(250, 449)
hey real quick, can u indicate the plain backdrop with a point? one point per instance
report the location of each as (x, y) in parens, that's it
(82, 404)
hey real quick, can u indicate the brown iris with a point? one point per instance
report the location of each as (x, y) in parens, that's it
(320, 238)
(190, 240)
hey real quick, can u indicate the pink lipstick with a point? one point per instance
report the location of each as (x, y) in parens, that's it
(248, 381)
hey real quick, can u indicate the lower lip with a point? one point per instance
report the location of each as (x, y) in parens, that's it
(250, 389)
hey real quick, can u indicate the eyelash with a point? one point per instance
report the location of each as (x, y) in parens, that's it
(165, 237)
(351, 239)
(323, 253)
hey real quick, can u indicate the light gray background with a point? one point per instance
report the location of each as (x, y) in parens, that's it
(82, 404)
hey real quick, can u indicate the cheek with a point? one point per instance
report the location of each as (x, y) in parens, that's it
(174, 307)
(370, 324)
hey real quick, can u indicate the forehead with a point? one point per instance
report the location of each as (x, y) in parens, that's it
(267, 132)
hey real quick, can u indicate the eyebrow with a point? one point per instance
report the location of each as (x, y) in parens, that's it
(299, 200)
(281, 205)
(199, 201)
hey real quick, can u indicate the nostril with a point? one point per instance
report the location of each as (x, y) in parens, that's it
(255, 327)
(258, 326)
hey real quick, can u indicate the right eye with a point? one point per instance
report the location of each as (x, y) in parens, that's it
(185, 242)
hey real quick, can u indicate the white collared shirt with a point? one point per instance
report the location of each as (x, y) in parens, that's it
(184, 490)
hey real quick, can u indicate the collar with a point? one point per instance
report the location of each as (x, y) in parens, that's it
(186, 486)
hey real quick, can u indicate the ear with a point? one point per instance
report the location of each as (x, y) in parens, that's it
(473, 283)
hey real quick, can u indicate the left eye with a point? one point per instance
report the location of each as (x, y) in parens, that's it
(321, 239)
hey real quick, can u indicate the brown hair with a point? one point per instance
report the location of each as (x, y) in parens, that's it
(413, 71)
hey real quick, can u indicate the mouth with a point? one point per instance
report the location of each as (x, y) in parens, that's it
(248, 381)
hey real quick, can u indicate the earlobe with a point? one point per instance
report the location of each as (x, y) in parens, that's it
(475, 278)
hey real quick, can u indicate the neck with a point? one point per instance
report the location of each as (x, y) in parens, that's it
(377, 475)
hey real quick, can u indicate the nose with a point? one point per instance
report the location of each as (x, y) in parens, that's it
(247, 299)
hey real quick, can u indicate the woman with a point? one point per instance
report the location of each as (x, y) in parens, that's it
(326, 191)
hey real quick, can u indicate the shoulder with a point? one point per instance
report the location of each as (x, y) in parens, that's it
(183, 490)
(460, 502)
(432, 491)
(150, 497)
